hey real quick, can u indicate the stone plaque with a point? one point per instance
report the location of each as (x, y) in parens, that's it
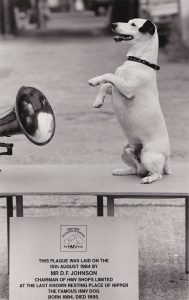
(73, 258)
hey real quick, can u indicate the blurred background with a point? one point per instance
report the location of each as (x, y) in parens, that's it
(27, 15)
(57, 46)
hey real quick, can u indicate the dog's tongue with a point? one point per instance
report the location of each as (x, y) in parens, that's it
(120, 38)
(117, 38)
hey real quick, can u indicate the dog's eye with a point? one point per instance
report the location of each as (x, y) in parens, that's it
(133, 24)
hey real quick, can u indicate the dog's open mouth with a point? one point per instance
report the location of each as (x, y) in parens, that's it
(122, 37)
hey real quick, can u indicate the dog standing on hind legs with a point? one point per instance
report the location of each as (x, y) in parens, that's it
(136, 102)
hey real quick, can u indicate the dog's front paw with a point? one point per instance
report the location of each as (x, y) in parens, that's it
(97, 105)
(146, 180)
(98, 102)
(94, 81)
(124, 172)
(152, 178)
(118, 172)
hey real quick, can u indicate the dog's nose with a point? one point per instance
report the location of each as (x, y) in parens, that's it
(114, 25)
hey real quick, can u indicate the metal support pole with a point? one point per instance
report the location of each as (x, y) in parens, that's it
(9, 215)
(110, 206)
(187, 232)
(100, 206)
(19, 206)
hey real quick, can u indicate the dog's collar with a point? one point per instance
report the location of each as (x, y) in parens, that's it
(142, 61)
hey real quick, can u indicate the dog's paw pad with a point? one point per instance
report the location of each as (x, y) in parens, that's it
(96, 105)
(146, 180)
(93, 82)
(118, 172)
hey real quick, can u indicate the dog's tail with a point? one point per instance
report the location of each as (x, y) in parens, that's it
(167, 168)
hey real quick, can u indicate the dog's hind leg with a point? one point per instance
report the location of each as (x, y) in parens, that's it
(167, 168)
(129, 159)
(105, 88)
(154, 164)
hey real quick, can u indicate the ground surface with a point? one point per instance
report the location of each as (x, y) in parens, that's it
(60, 65)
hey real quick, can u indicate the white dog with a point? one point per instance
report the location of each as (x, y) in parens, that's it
(136, 102)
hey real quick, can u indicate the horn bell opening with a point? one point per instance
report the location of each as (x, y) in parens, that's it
(35, 115)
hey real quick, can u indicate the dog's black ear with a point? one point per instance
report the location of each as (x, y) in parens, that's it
(148, 27)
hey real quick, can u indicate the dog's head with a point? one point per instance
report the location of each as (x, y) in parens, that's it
(133, 30)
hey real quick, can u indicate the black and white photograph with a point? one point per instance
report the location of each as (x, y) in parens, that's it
(94, 149)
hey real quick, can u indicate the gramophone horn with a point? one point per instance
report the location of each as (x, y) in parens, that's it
(32, 115)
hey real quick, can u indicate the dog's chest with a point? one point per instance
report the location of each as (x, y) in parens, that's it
(123, 71)
(127, 68)
(123, 108)
(120, 101)
(121, 104)
(128, 110)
